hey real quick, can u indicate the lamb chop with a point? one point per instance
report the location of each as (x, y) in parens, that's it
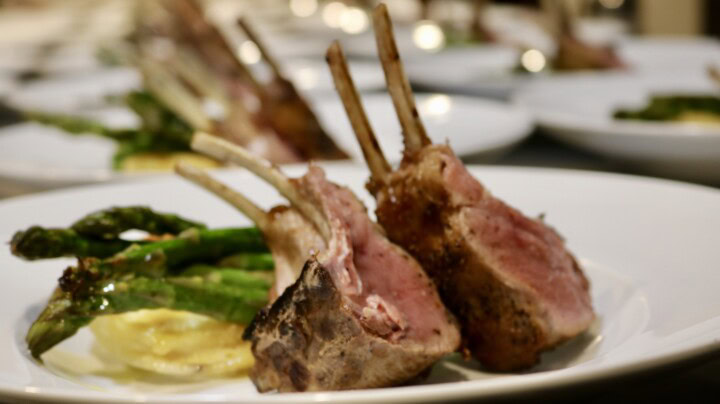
(361, 313)
(508, 278)
(281, 109)
(572, 52)
(289, 236)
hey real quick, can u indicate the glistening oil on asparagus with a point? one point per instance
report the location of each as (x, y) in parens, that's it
(222, 275)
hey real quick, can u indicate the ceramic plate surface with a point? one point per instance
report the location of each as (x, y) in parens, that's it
(488, 70)
(313, 76)
(578, 110)
(47, 157)
(654, 290)
(472, 126)
(76, 91)
(669, 53)
(485, 70)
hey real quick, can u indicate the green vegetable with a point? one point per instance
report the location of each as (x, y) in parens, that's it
(38, 242)
(160, 258)
(230, 276)
(65, 313)
(250, 261)
(78, 125)
(109, 223)
(161, 130)
(670, 107)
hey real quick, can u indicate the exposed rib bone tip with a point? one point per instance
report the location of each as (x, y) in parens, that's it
(378, 165)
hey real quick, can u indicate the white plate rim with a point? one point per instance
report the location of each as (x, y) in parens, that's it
(457, 390)
(51, 177)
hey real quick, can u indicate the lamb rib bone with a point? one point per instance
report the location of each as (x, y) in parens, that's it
(291, 238)
(362, 313)
(414, 134)
(228, 152)
(236, 199)
(250, 32)
(379, 167)
(510, 280)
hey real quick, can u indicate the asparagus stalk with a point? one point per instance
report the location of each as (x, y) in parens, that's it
(54, 324)
(109, 223)
(37, 243)
(236, 302)
(249, 261)
(77, 125)
(157, 119)
(145, 142)
(230, 276)
(159, 258)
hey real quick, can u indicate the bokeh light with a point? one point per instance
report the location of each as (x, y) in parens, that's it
(353, 20)
(332, 12)
(303, 8)
(533, 60)
(248, 52)
(436, 104)
(428, 36)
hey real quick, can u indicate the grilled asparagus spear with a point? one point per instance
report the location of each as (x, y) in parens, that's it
(109, 223)
(95, 235)
(233, 296)
(250, 261)
(160, 258)
(38, 242)
(77, 125)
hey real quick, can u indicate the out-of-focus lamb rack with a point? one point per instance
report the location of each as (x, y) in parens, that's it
(181, 84)
(573, 53)
(508, 278)
(275, 106)
(714, 74)
(361, 313)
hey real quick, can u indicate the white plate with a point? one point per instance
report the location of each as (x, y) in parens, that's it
(488, 71)
(485, 70)
(46, 157)
(669, 53)
(648, 246)
(76, 91)
(578, 110)
(312, 76)
(472, 126)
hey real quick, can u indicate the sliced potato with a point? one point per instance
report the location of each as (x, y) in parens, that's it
(699, 117)
(164, 161)
(174, 343)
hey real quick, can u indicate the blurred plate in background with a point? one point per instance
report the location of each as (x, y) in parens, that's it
(483, 129)
(70, 92)
(489, 70)
(312, 76)
(45, 157)
(75, 91)
(578, 109)
(485, 70)
(658, 54)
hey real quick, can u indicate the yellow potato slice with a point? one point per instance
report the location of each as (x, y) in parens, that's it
(174, 343)
(144, 162)
(699, 117)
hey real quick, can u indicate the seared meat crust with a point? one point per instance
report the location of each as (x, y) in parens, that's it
(310, 340)
(506, 322)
